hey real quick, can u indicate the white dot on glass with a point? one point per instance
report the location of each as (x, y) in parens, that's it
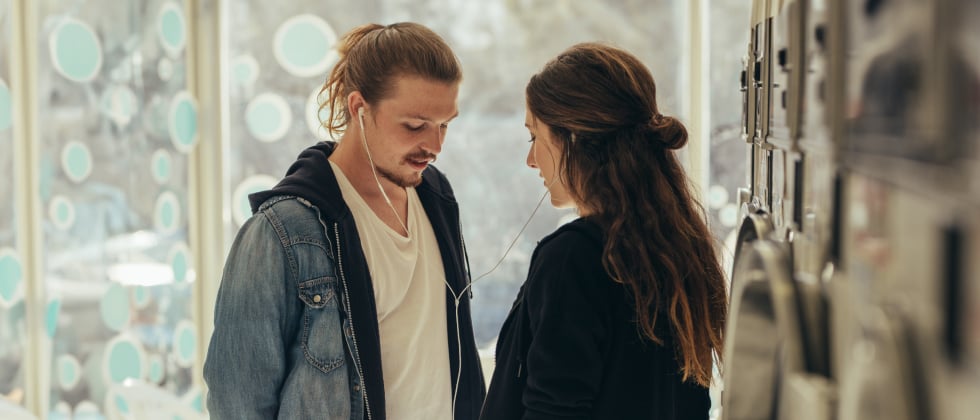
(160, 166)
(268, 117)
(61, 212)
(717, 196)
(303, 45)
(728, 215)
(241, 209)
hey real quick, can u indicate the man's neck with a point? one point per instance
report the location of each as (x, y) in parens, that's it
(353, 160)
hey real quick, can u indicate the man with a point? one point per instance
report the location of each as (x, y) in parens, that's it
(345, 295)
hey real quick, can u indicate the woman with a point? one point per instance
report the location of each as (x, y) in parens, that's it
(624, 307)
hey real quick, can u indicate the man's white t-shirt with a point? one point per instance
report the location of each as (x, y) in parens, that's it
(410, 293)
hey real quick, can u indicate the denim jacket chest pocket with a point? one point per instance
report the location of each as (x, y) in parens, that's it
(322, 337)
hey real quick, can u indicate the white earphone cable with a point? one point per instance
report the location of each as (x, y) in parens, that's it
(374, 171)
(456, 296)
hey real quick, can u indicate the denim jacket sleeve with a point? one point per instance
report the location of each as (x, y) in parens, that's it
(247, 358)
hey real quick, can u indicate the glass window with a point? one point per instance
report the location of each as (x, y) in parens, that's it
(115, 125)
(500, 43)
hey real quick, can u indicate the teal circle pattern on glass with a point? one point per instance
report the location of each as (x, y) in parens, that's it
(76, 160)
(141, 297)
(61, 212)
(76, 52)
(194, 399)
(161, 165)
(114, 307)
(155, 374)
(241, 210)
(123, 359)
(245, 70)
(304, 46)
(11, 277)
(315, 117)
(166, 217)
(69, 371)
(119, 104)
(185, 343)
(268, 117)
(122, 405)
(717, 197)
(182, 122)
(172, 28)
(180, 263)
(6, 106)
(51, 313)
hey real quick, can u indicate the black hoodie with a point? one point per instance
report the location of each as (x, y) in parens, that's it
(312, 179)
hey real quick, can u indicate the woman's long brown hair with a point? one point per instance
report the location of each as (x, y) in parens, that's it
(620, 168)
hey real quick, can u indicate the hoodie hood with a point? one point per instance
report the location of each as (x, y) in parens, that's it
(309, 177)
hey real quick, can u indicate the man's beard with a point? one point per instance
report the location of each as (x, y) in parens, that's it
(409, 181)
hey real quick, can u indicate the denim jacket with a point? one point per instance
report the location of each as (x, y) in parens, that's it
(295, 325)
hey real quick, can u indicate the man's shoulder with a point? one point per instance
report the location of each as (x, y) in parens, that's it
(290, 210)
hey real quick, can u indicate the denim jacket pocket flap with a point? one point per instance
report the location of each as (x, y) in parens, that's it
(322, 338)
(318, 293)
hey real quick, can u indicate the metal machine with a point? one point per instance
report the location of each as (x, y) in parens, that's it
(856, 284)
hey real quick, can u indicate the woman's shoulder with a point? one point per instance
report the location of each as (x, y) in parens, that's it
(567, 265)
(574, 249)
(578, 232)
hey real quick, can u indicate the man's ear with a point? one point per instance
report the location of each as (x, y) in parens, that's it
(355, 103)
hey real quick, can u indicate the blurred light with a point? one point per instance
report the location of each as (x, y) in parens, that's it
(136, 241)
(141, 274)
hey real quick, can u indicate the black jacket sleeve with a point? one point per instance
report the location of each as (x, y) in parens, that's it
(570, 323)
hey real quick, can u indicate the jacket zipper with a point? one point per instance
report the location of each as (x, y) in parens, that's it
(356, 354)
(466, 259)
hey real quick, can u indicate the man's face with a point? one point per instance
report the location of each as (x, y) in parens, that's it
(405, 131)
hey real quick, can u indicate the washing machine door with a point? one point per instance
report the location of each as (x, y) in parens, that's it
(899, 90)
(763, 338)
(885, 379)
(756, 225)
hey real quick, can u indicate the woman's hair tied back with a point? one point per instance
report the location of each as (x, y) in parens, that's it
(668, 130)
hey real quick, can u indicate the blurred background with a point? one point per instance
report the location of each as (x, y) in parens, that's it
(132, 131)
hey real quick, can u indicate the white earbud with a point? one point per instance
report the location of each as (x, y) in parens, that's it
(360, 121)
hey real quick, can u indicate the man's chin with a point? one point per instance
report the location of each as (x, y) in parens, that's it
(404, 181)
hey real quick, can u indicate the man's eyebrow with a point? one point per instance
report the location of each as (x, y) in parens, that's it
(427, 119)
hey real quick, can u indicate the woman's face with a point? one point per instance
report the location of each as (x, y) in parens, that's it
(545, 157)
